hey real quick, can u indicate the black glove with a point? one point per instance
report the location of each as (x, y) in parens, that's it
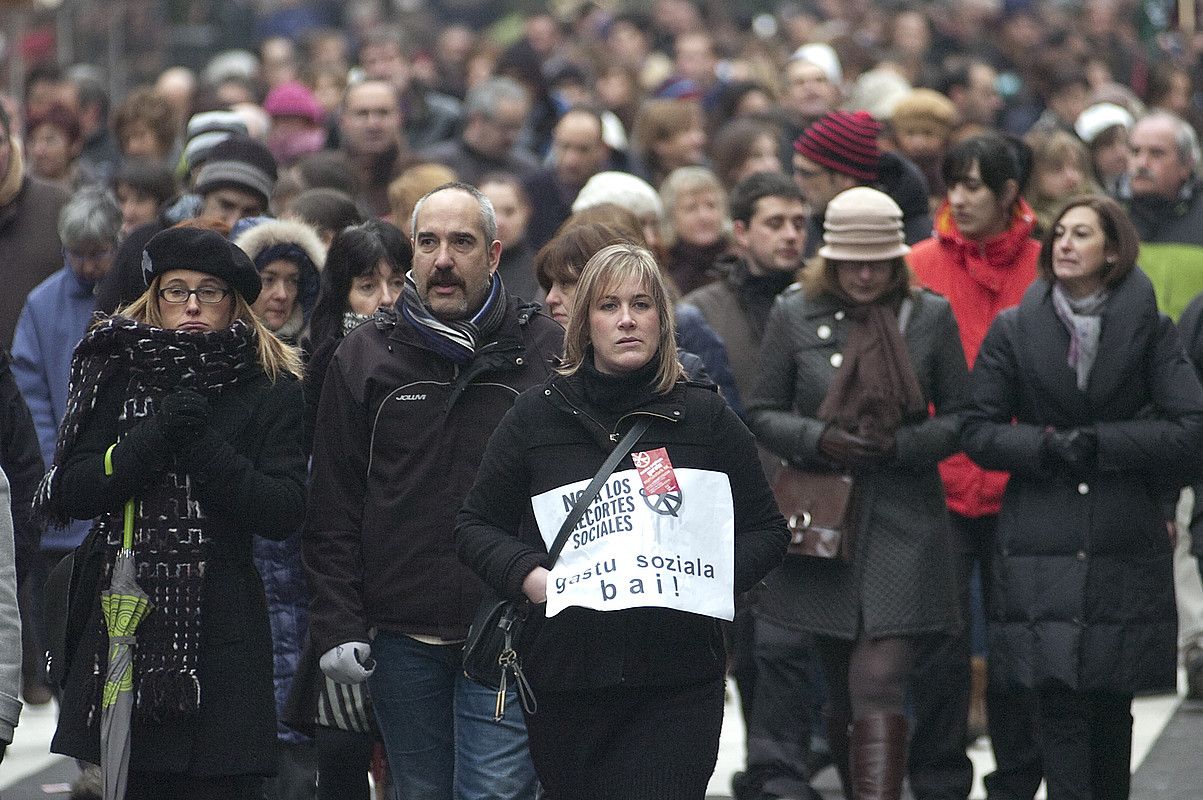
(182, 416)
(852, 451)
(1074, 450)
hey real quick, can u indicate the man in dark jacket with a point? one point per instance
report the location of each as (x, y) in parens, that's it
(30, 249)
(495, 113)
(839, 152)
(775, 669)
(579, 152)
(407, 407)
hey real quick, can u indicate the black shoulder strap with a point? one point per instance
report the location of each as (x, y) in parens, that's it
(603, 475)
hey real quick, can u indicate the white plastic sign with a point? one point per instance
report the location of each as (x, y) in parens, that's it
(634, 548)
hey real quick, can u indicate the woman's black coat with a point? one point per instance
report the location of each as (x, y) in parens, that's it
(256, 487)
(553, 437)
(900, 582)
(1083, 584)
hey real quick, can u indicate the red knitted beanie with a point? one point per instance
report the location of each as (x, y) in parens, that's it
(845, 142)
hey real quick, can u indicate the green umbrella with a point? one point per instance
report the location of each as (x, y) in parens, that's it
(124, 605)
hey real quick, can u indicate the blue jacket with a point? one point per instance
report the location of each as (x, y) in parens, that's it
(279, 564)
(55, 317)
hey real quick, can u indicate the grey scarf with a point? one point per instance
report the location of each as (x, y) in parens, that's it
(1083, 319)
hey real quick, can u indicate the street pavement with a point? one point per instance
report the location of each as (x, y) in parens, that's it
(1167, 755)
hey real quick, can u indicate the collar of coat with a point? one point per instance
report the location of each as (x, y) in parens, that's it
(1130, 320)
(564, 393)
(988, 262)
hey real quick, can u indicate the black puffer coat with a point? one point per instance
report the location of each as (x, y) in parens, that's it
(901, 581)
(554, 436)
(1083, 585)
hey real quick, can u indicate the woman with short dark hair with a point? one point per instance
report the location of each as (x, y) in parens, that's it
(1084, 394)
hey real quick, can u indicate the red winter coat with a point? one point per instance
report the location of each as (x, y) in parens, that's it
(979, 279)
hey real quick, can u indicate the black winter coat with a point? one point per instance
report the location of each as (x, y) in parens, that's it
(1190, 326)
(1083, 586)
(901, 580)
(258, 491)
(21, 461)
(554, 437)
(400, 433)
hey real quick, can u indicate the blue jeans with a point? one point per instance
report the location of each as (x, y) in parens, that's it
(438, 727)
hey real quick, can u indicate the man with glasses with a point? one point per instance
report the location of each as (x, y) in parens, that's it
(495, 112)
(55, 317)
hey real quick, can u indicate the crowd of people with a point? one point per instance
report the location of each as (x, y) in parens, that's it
(325, 341)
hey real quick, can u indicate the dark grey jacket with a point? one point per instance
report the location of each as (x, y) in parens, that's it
(1083, 583)
(901, 580)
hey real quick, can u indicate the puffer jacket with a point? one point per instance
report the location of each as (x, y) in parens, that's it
(979, 279)
(1082, 583)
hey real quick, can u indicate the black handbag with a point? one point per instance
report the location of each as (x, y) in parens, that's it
(490, 653)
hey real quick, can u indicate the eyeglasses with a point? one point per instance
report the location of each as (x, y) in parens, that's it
(178, 295)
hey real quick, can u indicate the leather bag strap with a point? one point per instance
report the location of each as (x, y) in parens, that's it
(607, 469)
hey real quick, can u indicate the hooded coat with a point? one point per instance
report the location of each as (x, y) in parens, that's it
(1083, 584)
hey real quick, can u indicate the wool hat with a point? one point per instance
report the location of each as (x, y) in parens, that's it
(204, 251)
(240, 163)
(1099, 117)
(293, 99)
(845, 142)
(823, 56)
(862, 224)
(620, 188)
(207, 129)
(879, 91)
(925, 106)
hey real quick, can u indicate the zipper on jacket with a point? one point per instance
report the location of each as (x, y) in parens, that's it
(612, 435)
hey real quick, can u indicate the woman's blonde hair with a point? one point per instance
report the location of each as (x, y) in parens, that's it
(607, 269)
(274, 355)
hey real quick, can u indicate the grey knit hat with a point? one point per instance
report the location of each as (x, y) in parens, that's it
(862, 224)
(241, 163)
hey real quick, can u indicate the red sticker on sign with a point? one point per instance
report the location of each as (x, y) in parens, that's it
(656, 472)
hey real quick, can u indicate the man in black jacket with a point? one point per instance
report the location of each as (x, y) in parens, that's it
(408, 404)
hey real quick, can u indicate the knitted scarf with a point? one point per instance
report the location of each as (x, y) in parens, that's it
(455, 340)
(1083, 319)
(351, 321)
(171, 530)
(875, 388)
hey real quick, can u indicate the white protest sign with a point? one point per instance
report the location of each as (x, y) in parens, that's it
(634, 548)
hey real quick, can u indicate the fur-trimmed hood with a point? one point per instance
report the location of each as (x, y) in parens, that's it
(258, 237)
(274, 232)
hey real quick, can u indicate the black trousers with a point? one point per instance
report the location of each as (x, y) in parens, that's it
(343, 761)
(627, 743)
(176, 786)
(1087, 744)
(938, 765)
(786, 710)
(296, 772)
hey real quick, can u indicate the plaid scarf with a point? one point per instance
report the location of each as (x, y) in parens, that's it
(1083, 319)
(171, 530)
(455, 340)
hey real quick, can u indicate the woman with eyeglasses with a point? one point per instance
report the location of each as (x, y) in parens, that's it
(187, 405)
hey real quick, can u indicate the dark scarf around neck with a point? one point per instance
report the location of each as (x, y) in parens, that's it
(617, 394)
(171, 529)
(457, 340)
(875, 388)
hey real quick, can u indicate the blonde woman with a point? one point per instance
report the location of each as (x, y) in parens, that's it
(186, 404)
(628, 675)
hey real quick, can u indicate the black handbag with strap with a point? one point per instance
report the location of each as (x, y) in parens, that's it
(490, 653)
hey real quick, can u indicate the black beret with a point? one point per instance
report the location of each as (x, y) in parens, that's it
(202, 251)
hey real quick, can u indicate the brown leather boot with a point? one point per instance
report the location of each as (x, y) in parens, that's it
(837, 742)
(878, 756)
(977, 699)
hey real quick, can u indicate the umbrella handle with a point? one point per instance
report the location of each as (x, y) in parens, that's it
(127, 532)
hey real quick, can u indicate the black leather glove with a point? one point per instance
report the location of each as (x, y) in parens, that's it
(852, 451)
(1074, 450)
(182, 416)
